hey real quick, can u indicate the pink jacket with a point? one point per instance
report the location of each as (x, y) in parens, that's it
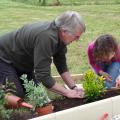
(92, 61)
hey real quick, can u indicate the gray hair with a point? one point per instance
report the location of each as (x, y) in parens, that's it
(70, 21)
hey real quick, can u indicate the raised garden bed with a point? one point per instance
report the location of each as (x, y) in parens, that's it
(69, 103)
(62, 104)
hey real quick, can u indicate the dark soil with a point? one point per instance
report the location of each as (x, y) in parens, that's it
(62, 104)
(69, 103)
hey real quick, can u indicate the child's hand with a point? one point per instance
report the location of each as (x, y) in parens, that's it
(106, 76)
(117, 82)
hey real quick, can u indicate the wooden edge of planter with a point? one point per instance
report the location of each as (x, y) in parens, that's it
(113, 89)
(74, 77)
(77, 77)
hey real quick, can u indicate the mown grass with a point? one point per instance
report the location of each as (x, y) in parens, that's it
(99, 19)
(70, 2)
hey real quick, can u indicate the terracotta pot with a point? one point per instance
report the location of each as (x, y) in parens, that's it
(13, 101)
(45, 110)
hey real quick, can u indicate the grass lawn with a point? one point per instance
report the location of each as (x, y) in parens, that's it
(99, 19)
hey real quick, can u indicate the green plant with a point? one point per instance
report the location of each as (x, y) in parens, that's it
(35, 93)
(93, 85)
(4, 89)
(5, 113)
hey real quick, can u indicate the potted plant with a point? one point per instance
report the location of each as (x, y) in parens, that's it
(10, 100)
(13, 101)
(93, 85)
(4, 113)
(38, 97)
(8, 89)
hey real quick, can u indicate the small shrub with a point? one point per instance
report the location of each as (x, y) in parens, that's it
(36, 94)
(93, 85)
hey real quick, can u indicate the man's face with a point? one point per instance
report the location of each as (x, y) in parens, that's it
(68, 37)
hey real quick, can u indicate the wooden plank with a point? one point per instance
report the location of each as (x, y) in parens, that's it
(74, 76)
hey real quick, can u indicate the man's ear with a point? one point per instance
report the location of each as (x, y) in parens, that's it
(62, 32)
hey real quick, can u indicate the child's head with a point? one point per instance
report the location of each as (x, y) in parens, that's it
(105, 48)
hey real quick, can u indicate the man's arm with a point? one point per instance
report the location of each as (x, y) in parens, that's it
(68, 80)
(57, 88)
(60, 61)
(42, 60)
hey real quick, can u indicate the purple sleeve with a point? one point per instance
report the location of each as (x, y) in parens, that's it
(91, 58)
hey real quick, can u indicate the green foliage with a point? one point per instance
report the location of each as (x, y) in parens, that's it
(2, 94)
(93, 85)
(5, 113)
(33, 2)
(8, 87)
(68, 2)
(2, 103)
(43, 2)
(36, 93)
(4, 89)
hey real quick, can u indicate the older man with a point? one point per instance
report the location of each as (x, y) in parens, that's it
(31, 49)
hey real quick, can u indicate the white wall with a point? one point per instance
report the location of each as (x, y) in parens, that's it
(91, 111)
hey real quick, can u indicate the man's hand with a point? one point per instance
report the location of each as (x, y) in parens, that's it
(70, 93)
(80, 89)
(106, 76)
(75, 93)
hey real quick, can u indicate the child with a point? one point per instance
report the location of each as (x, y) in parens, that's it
(104, 57)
